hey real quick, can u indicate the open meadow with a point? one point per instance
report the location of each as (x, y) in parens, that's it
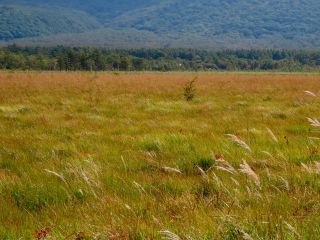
(125, 156)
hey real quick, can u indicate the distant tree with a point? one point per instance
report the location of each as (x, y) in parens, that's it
(138, 64)
(125, 63)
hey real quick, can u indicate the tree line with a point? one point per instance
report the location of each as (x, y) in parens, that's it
(62, 58)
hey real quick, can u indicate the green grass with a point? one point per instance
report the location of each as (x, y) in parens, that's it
(126, 157)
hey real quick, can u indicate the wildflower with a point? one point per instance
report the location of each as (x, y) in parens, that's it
(41, 234)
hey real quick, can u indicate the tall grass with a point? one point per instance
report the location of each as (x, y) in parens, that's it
(104, 156)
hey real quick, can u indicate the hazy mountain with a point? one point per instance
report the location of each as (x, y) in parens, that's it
(185, 23)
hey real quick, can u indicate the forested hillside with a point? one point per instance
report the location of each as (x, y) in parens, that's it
(182, 23)
(20, 22)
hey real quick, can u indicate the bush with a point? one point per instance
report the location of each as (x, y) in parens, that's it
(150, 146)
(189, 90)
(34, 198)
(204, 163)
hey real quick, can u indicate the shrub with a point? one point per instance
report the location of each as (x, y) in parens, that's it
(189, 90)
(204, 163)
(150, 146)
(34, 198)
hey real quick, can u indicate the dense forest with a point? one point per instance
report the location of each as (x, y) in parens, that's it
(101, 59)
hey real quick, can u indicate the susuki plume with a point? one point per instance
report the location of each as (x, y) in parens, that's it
(245, 168)
(272, 135)
(167, 235)
(239, 142)
(310, 93)
(314, 122)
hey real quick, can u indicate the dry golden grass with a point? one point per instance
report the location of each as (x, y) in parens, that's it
(124, 156)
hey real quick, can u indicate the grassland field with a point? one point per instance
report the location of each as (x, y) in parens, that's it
(125, 156)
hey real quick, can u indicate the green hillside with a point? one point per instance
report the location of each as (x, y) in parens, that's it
(174, 23)
(102, 37)
(20, 22)
(104, 10)
(249, 19)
